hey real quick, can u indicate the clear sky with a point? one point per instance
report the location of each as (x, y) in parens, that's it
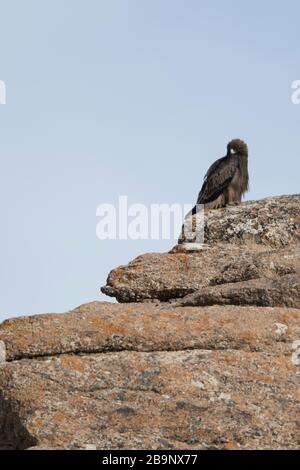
(136, 98)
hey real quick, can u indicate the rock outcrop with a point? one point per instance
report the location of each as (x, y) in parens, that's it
(251, 256)
(202, 353)
(109, 376)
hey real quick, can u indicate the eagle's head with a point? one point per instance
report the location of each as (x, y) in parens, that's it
(237, 146)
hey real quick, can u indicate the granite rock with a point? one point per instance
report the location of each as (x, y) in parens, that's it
(251, 256)
(140, 376)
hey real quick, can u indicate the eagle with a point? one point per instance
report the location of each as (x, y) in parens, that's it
(227, 179)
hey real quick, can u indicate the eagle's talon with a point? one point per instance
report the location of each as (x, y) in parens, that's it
(235, 203)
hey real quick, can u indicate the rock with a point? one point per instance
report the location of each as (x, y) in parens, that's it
(141, 376)
(203, 352)
(251, 256)
(283, 291)
(273, 221)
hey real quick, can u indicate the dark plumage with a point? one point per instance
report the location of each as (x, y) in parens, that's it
(227, 180)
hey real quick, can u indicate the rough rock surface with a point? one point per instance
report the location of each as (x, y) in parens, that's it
(139, 376)
(251, 256)
(212, 363)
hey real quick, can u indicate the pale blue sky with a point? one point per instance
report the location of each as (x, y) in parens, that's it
(137, 98)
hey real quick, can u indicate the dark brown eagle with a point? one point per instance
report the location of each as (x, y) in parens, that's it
(227, 179)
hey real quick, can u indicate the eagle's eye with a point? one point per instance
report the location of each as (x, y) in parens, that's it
(232, 151)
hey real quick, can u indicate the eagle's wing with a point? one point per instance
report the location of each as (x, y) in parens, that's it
(217, 178)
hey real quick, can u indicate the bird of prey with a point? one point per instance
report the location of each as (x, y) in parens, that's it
(227, 179)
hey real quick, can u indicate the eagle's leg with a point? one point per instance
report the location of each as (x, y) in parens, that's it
(233, 196)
